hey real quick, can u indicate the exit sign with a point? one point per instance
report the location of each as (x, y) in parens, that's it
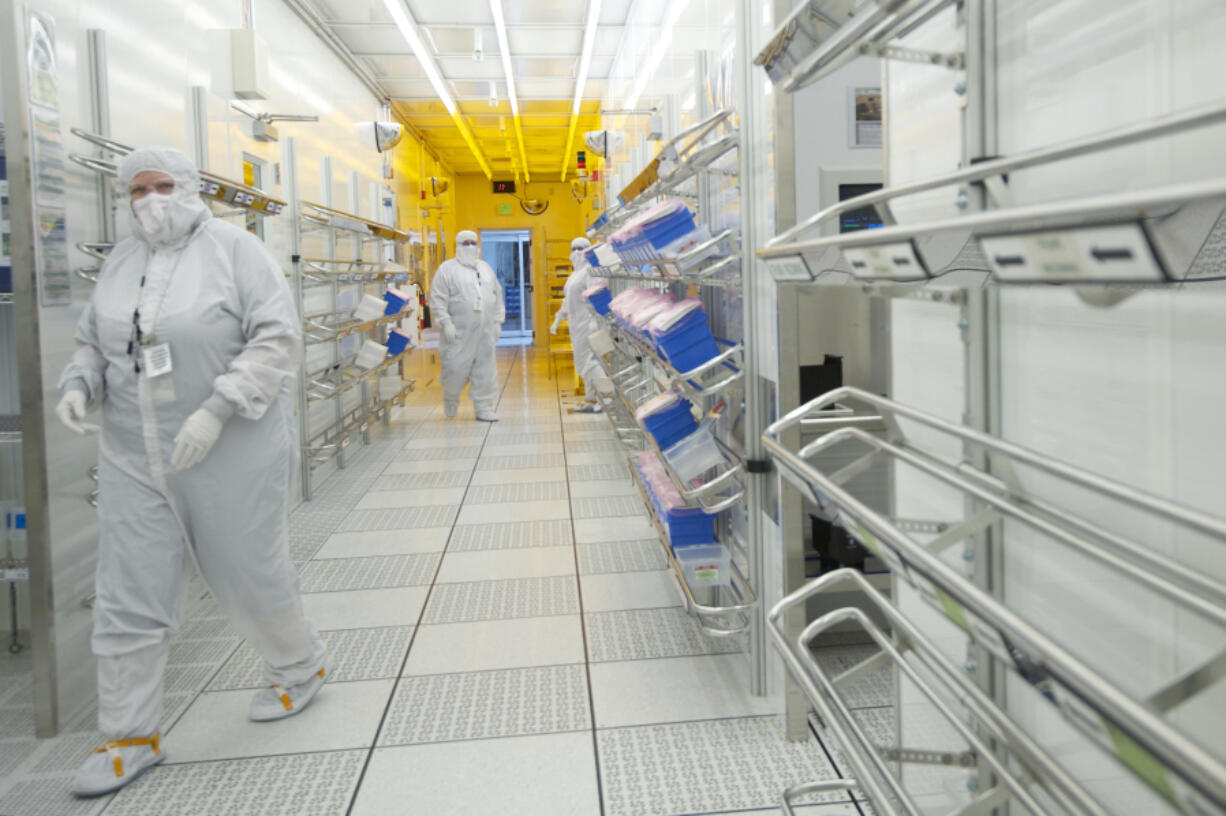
(504, 186)
(504, 209)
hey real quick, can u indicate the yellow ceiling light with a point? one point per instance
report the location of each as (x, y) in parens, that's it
(408, 30)
(585, 62)
(504, 46)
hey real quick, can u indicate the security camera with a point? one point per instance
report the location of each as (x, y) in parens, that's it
(381, 136)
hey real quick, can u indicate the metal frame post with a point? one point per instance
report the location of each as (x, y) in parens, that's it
(289, 162)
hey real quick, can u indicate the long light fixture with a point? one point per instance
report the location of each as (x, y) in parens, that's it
(585, 62)
(662, 45)
(504, 47)
(408, 30)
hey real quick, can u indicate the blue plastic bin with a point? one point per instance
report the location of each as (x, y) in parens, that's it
(397, 342)
(689, 343)
(672, 425)
(688, 526)
(600, 301)
(664, 232)
(396, 302)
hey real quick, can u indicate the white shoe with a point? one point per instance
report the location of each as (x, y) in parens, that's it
(450, 409)
(278, 702)
(115, 764)
(487, 415)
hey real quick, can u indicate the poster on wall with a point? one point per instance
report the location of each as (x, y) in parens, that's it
(50, 175)
(864, 119)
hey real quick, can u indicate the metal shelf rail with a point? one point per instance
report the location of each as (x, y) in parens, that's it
(698, 382)
(1136, 732)
(821, 36)
(1137, 237)
(330, 270)
(343, 378)
(994, 738)
(321, 216)
(337, 438)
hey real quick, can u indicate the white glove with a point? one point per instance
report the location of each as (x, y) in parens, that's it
(71, 410)
(449, 332)
(557, 321)
(194, 440)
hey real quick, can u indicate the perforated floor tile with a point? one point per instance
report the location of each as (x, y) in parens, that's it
(438, 454)
(585, 434)
(13, 753)
(421, 481)
(201, 651)
(638, 634)
(608, 507)
(270, 786)
(336, 574)
(587, 473)
(480, 705)
(594, 446)
(498, 439)
(512, 598)
(532, 491)
(47, 796)
(401, 518)
(676, 768)
(545, 460)
(188, 678)
(206, 628)
(621, 556)
(515, 535)
(355, 654)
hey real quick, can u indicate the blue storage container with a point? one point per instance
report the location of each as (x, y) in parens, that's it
(396, 301)
(671, 425)
(397, 342)
(688, 526)
(664, 232)
(689, 342)
(600, 300)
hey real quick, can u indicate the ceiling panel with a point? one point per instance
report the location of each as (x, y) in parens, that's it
(614, 12)
(544, 11)
(409, 88)
(394, 66)
(608, 40)
(546, 88)
(460, 40)
(377, 39)
(552, 41)
(599, 67)
(467, 68)
(351, 10)
(448, 12)
(528, 67)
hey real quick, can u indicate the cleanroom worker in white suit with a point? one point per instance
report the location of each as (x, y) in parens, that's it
(186, 346)
(579, 316)
(466, 304)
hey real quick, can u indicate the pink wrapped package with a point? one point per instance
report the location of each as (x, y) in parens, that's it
(666, 319)
(660, 402)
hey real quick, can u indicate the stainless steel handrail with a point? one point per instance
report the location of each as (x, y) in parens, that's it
(1067, 680)
(322, 214)
(1003, 730)
(316, 329)
(689, 381)
(347, 378)
(1163, 126)
(804, 788)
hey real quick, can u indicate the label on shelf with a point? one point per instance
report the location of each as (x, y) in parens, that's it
(209, 188)
(15, 575)
(345, 443)
(898, 262)
(365, 427)
(1098, 254)
(791, 268)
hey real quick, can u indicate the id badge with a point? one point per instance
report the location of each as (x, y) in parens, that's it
(156, 360)
(479, 303)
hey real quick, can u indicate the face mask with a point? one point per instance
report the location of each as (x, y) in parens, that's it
(151, 213)
(467, 255)
(578, 258)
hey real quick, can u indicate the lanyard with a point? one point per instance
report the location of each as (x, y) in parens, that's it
(136, 340)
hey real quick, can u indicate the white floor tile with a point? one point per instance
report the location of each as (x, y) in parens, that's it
(384, 542)
(514, 511)
(515, 776)
(343, 715)
(629, 590)
(519, 476)
(429, 440)
(597, 530)
(498, 644)
(383, 499)
(361, 608)
(603, 487)
(639, 692)
(408, 465)
(494, 565)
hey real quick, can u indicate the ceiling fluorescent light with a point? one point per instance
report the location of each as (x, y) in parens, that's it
(408, 30)
(585, 62)
(504, 46)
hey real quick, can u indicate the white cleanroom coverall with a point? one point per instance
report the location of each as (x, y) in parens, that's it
(580, 317)
(466, 294)
(219, 300)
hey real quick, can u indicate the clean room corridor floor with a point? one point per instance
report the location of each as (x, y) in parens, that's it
(506, 640)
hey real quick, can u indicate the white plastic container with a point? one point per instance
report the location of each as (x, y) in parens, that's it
(600, 342)
(694, 455)
(371, 308)
(372, 354)
(705, 565)
(389, 387)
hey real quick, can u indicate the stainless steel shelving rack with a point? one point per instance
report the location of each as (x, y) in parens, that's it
(1162, 236)
(339, 402)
